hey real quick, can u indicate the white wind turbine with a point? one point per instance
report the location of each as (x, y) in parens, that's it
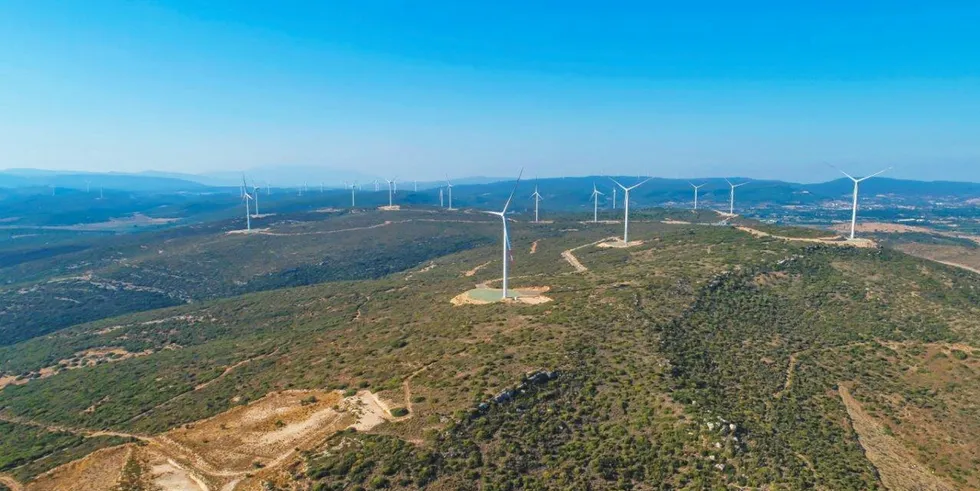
(537, 199)
(614, 197)
(854, 207)
(245, 198)
(391, 191)
(440, 198)
(731, 196)
(506, 238)
(449, 186)
(595, 203)
(255, 191)
(626, 206)
(376, 188)
(352, 188)
(696, 188)
(88, 185)
(415, 185)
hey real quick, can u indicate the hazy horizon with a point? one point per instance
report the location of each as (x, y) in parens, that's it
(769, 92)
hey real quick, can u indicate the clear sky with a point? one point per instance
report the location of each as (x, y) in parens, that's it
(675, 89)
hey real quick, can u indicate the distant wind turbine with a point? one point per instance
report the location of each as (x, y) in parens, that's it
(537, 199)
(506, 238)
(255, 190)
(614, 197)
(101, 196)
(595, 203)
(626, 206)
(731, 196)
(391, 191)
(245, 198)
(449, 186)
(88, 184)
(440, 198)
(696, 188)
(352, 188)
(854, 207)
(376, 188)
(415, 185)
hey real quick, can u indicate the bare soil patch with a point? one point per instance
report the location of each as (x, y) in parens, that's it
(839, 241)
(481, 296)
(534, 246)
(896, 465)
(476, 269)
(619, 244)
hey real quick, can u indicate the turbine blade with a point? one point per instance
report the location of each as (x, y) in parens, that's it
(617, 183)
(842, 172)
(872, 175)
(639, 184)
(512, 192)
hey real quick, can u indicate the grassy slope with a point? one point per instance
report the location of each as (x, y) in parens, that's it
(656, 345)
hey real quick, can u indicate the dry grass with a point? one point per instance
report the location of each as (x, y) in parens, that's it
(897, 467)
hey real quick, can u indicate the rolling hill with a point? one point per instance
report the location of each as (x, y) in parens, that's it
(705, 357)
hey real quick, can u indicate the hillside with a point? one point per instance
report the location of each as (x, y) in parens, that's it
(706, 357)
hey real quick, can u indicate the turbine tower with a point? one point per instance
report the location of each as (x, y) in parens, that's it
(440, 198)
(415, 185)
(245, 198)
(101, 196)
(88, 185)
(854, 207)
(352, 188)
(449, 186)
(537, 199)
(255, 191)
(595, 204)
(503, 220)
(614, 197)
(696, 188)
(731, 196)
(376, 188)
(390, 191)
(626, 206)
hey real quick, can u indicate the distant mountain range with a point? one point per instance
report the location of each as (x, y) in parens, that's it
(476, 190)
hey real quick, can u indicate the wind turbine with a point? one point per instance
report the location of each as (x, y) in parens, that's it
(537, 198)
(626, 206)
(440, 198)
(88, 184)
(390, 191)
(614, 198)
(503, 220)
(376, 185)
(101, 196)
(854, 207)
(731, 197)
(352, 188)
(255, 190)
(245, 198)
(696, 188)
(321, 187)
(449, 185)
(595, 205)
(415, 184)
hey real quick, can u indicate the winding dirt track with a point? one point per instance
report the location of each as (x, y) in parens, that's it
(568, 256)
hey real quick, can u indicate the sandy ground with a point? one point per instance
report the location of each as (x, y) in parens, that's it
(896, 465)
(527, 295)
(863, 243)
(534, 246)
(243, 231)
(87, 358)
(220, 453)
(390, 208)
(619, 244)
(675, 222)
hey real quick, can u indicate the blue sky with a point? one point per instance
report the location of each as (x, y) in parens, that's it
(678, 89)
